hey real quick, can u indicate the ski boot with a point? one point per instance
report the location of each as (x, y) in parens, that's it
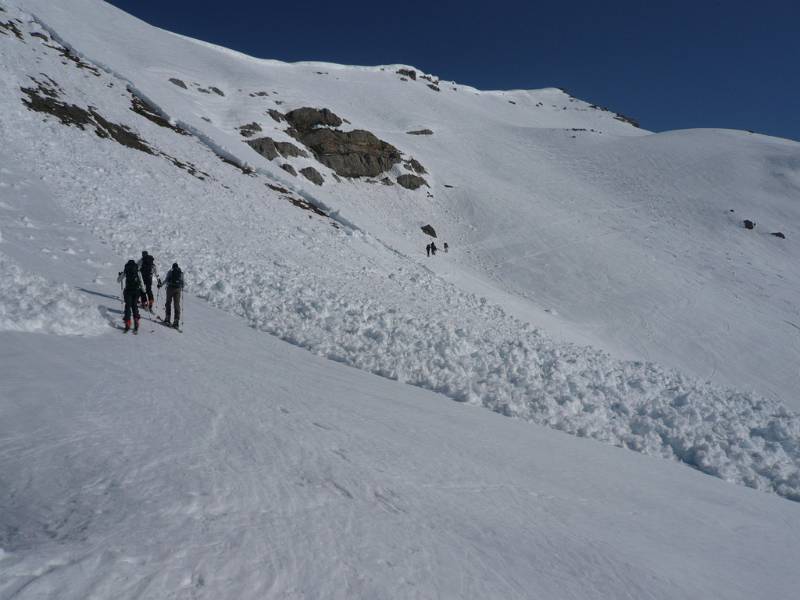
(136, 326)
(127, 325)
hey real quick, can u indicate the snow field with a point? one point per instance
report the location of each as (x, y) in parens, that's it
(31, 303)
(343, 295)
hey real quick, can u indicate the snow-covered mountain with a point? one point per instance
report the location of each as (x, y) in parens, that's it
(599, 281)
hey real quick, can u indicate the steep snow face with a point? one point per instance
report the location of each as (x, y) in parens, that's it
(335, 279)
(634, 240)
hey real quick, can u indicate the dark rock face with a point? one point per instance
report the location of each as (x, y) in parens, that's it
(217, 91)
(276, 115)
(778, 234)
(411, 182)
(420, 132)
(414, 165)
(265, 147)
(410, 73)
(748, 224)
(428, 229)
(312, 175)
(178, 82)
(289, 169)
(434, 87)
(270, 149)
(287, 149)
(305, 119)
(627, 119)
(355, 153)
(141, 107)
(249, 129)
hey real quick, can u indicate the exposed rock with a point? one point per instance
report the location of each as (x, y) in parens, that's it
(414, 165)
(289, 169)
(40, 35)
(265, 147)
(355, 153)
(305, 119)
(203, 91)
(178, 82)
(428, 229)
(46, 100)
(387, 181)
(411, 182)
(270, 149)
(217, 91)
(249, 129)
(448, 186)
(69, 55)
(625, 119)
(312, 175)
(277, 188)
(287, 149)
(748, 224)
(420, 132)
(778, 234)
(141, 107)
(410, 73)
(276, 115)
(434, 87)
(256, 94)
(404, 79)
(10, 26)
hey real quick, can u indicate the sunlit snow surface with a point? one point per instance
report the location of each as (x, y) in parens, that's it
(174, 464)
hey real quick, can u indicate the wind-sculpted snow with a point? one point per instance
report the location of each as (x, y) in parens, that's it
(31, 303)
(472, 352)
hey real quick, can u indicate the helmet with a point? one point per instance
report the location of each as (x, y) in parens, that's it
(144, 253)
(175, 266)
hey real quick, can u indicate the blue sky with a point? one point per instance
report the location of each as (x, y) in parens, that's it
(671, 65)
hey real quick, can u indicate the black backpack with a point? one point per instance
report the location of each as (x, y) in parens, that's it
(147, 265)
(175, 278)
(131, 276)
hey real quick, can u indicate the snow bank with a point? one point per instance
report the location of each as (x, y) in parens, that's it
(31, 303)
(473, 352)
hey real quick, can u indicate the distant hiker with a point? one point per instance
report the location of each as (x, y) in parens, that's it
(433, 248)
(147, 267)
(131, 291)
(428, 249)
(174, 282)
(446, 247)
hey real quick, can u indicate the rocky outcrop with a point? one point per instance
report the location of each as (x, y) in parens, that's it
(429, 230)
(265, 147)
(276, 115)
(305, 119)
(250, 129)
(413, 164)
(217, 91)
(356, 153)
(779, 234)
(410, 73)
(420, 132)
(270, 149)
(748, 224)
(289, 169)
(178, 82)
(312, 175)
(411, 182)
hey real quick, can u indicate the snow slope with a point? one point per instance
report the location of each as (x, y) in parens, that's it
(182, 473)
(224, 463)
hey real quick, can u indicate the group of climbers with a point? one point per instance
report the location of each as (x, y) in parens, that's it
(136, 281)
(431, 248)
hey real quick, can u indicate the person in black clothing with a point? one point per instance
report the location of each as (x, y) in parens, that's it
(433, 248)
(147, 267)
(428, 249)
(174, 282)
(131, 291)
(446, 247)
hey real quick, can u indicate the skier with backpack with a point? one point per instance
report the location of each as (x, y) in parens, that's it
(131, 291)
(174, 282)
(147, 267)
